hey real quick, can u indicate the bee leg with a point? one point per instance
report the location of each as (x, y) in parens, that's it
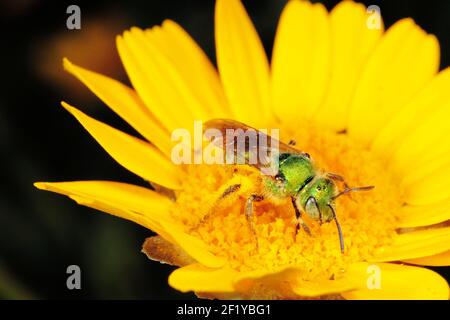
(300, 222)
(249, 214)
(228, 191)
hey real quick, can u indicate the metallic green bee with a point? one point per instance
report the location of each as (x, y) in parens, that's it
(311, 191)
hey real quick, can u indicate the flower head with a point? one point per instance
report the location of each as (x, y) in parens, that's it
(366, 104)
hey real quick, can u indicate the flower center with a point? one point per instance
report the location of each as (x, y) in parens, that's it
(368, 219)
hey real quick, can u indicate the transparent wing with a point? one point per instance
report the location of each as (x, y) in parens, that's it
(248, 145)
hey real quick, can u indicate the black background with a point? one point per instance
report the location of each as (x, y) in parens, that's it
(42, 233)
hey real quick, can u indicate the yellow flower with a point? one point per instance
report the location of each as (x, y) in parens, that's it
(367, 104)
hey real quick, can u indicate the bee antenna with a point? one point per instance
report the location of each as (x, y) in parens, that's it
(341, 237)
(355, 189)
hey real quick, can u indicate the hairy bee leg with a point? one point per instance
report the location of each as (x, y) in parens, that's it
(228, 191)
(249, 214)
(300, 222)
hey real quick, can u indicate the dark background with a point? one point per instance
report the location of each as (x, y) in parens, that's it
(42, 233)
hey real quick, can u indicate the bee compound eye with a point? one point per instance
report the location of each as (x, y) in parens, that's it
(311, 208)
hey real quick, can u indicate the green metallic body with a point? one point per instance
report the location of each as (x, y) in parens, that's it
(298, 178)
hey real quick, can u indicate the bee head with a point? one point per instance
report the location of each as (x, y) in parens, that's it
(317, 199)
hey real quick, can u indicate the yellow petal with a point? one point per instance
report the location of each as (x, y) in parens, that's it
(405, 121)
(437, 260)
(423, 172)
(392, 76)
(425, 142)
(321, 288)
(415, 244)
(174, 87)
(145, 75)
(196, 277)
(396, 281)
(354, 282)
(428, 184)
(193, 246)
(193, 65)
(136, 155)
(266, 284)
(424, 215)
(399, 282)
(139, 205)
(225, 280)
(125, 102)
(297, 286)
(428, 147)
(300, 61)
(353, 278)
(352, 42)
(242, 62)
(301, 288)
